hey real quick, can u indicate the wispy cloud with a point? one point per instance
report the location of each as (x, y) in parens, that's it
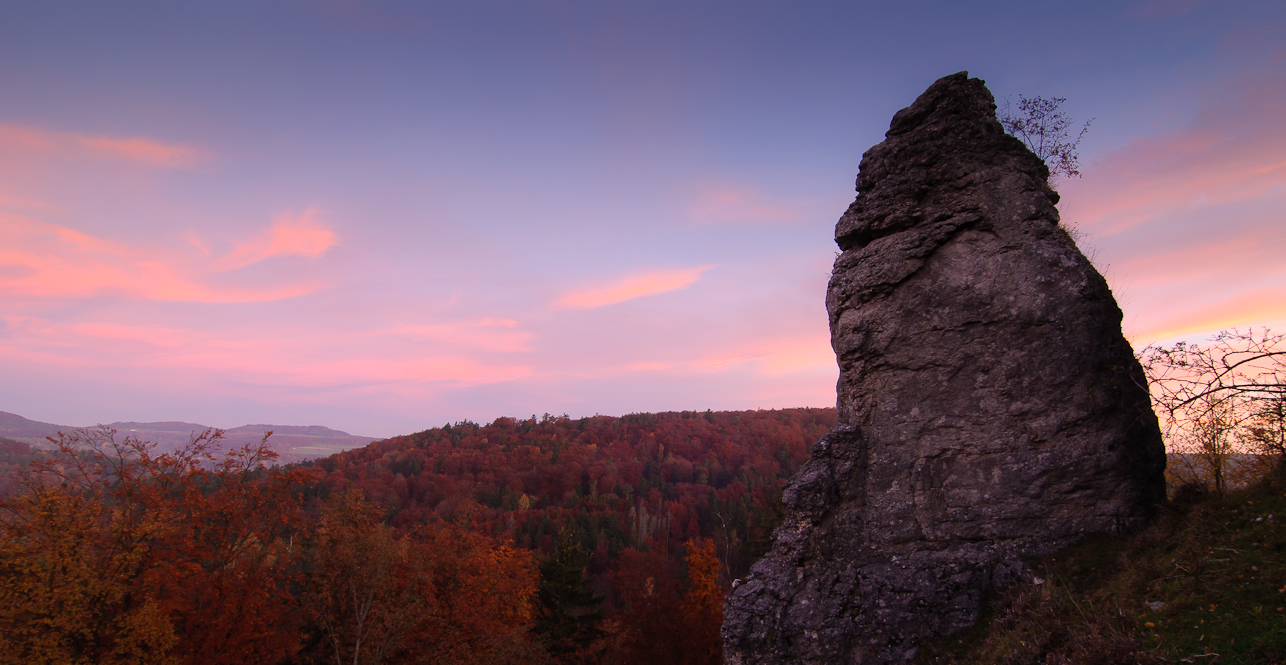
(1249, 308)
(765, 356)
(727, 204)
(1189, 222)
(288, 358)
(1202, 286)
(17, 137)
(289, 235)
(776, 357)
(1208, 263)
(640, 284)
(130, 149)
(493, 335)
(49, 260)
(1234, 151)
(143, 150)
(22, 203)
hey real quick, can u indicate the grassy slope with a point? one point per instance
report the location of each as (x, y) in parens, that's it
(1205, 584)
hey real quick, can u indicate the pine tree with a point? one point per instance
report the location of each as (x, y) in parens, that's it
(570, 612)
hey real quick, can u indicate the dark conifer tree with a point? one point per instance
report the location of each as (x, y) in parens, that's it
(569, 612)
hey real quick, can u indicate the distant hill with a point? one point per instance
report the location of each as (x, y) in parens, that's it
(14, 426)
(645, 481)
(293, 443)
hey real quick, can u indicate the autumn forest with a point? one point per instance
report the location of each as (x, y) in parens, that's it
(551, 539)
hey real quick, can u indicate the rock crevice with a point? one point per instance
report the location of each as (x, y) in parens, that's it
(989, 408)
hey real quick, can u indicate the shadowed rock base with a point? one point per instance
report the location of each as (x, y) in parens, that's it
(990, 410)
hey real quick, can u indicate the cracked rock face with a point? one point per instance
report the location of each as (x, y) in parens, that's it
(990, 410)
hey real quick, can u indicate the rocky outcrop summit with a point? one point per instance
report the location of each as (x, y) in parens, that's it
(990, 410)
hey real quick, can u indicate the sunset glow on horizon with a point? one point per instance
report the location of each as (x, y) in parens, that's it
(381, 217)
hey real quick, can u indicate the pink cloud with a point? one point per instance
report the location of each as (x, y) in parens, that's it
(717, 204)
(237, 357)
(144, 336)
(776, 357)
(647, 367)
(13, 137)
(1252, 256)
(73, 146)
(765, 356)
(143, 150)
(496, 335)
(432, 369)
(48, 260)
(646, 283)
(1189, 222)
(289, 235)
(1234, 151)
(10, 201)
(1251, 308)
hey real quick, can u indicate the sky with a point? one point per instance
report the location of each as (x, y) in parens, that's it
(385, 216)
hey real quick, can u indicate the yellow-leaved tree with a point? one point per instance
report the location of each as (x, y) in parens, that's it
(115, 552)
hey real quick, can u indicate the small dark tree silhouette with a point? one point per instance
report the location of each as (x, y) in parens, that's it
(1047, 132)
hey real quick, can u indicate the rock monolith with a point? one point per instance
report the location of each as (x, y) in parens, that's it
(990, 411)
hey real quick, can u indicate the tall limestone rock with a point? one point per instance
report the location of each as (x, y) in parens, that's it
(990, 410)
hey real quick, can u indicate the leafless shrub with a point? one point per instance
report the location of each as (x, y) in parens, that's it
(1047, 132)
(1222, 405)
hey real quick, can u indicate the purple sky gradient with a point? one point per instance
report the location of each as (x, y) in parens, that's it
(382, 217)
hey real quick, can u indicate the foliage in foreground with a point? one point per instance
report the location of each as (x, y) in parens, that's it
(114, 553)
(1205, 584)
(111, 552)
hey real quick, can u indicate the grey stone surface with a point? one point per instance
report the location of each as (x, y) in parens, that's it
(990, 410)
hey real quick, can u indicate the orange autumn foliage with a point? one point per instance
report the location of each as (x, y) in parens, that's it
(703, 604)
(364, 591)
(444, 595)
(662, 623)
(113, 551)
(483, 597)
(117, 553)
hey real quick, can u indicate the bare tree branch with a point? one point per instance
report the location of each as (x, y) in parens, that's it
(1047, 132)
(1222, 399)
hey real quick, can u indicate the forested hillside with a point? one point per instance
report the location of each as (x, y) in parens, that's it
(546, 540)
(643, 481)
(551, 540)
